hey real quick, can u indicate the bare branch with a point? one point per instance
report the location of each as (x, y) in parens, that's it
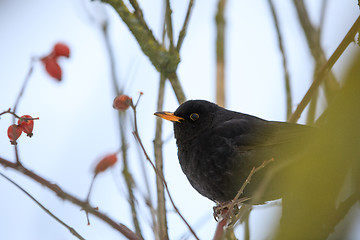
(163, 60)
(175, 83)
(158, 173)
(27, 78)
(311, 34)
(284, 61)
(161, 210)
(169, 27)
(184, 27)
(138, 12)
(73, 231)
(325, 69)
(66, 196)
(220, 54)
(121, 118)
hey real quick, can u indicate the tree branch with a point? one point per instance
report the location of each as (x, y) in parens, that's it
(161, 210)
(324, 70)
(163, 60)
(138, 12)
(158, 173)
(169, 27)
(121, 118)
(220, 53)
(73, 231)
(175, 83)
(66, 196)
(184, 27)
(284, 61)
(330, 83)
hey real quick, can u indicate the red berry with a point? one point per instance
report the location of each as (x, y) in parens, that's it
(26, 125)
(61, 49)
(52, 67)
(105, 163)
(14, 132)
(122, 102)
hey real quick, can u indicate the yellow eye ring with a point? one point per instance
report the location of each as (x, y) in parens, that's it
(194, 116)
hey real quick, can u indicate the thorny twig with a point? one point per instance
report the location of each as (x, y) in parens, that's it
(158, 173)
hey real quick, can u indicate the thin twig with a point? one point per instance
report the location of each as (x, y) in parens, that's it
(342, 210)
(27, 78)
(220, 229)
(176, 86)
(220, 53)
(324, 70)
(91, 186)
(73, 231)
(247, 227)
(225, 211)
(18, 162)
(129, 180)
(161, 209)
(322, 18)
(137, 137)
(138, 12)
(247, 181)
(169, 27)
(66, 196)
(16, 116)
(182, 33)
(310, 116)
(284, 60)
(158, 143)
(121, 117)
(331, 86)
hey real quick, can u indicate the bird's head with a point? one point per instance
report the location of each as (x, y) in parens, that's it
(191, 118)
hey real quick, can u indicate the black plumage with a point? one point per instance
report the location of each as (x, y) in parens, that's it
(217, 148)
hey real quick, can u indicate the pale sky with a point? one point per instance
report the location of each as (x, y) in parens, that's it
(78, 124)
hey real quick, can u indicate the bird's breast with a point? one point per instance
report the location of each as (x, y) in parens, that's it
(208, 163)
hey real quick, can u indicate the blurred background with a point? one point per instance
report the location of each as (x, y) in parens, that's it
(78, 125)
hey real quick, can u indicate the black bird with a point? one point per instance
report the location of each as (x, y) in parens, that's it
(217, 148)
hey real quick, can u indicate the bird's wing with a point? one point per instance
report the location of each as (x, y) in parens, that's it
(249, 133)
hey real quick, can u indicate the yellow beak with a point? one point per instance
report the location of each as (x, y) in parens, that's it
(168, 116)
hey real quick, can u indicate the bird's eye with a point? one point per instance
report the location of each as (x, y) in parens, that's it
(194, 116)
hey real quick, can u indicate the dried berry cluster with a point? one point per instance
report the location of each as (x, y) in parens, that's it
(51, 61)
(25, 124)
